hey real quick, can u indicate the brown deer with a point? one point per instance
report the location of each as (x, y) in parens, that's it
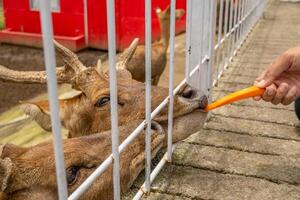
(89, 112)
(29, 173)
(159, 50)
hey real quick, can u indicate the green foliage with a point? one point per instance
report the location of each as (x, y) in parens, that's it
(1, 19)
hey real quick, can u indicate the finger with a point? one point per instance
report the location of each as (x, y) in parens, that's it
(281, 92)
(281, 64)
(258, 82)
(290, 96)
(270, 93)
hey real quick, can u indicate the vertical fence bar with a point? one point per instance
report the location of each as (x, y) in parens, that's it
(113, 95)
(85, 16)
(230, 32)
(213, 10)
(148, 92)
(224, 56)
(218, 50)
(242, 22)
(234, 28)
(46, 20)
(202, 72)
(188, 39)
(171, 79)
(247, 17)
(239, 23)
(231, 28)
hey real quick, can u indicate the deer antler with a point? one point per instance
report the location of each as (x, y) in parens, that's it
(127, 54)
(70, 59)
(63, 75)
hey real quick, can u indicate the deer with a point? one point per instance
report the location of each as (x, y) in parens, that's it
(29, 172)
(136, 65)
(88, 112)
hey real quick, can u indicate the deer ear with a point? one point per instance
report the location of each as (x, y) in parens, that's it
(179, 13)
(167, 10)
(11, 151)
(100, 68)
(125, 58)
(39, 112)
(6, 167)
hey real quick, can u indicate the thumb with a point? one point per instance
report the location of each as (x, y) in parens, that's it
(264, 80)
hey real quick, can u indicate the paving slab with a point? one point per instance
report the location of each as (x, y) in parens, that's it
(275, 116)
(279, 169)
(255, 128)
(207, 185)
(159, 196)
(238, 79)
(246, 143)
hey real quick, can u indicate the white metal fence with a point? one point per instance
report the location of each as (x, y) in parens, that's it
(205, 62)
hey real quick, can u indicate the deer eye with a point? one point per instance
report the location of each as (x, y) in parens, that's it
(72, 173)
(102, 101)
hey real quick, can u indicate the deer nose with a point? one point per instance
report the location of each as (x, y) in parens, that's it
(155, 126)
(193, 94)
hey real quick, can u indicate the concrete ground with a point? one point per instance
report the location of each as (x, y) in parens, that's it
(248, 150)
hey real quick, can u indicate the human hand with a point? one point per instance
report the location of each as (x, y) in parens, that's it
(281, 79)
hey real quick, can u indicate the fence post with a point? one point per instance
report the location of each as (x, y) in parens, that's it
(111, 28)
(213, 9)
(171, 79)
(148, 41)
(50, 62)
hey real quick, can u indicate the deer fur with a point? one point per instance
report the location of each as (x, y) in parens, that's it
(159, 50)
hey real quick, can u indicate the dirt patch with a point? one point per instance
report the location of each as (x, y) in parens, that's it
(25, 59)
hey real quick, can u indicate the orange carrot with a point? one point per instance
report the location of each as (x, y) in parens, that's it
(236, 96)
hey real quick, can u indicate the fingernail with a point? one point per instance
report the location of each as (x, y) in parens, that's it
(261, 83)
(256, 98)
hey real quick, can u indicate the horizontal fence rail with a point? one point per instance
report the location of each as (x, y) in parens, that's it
(215, 30)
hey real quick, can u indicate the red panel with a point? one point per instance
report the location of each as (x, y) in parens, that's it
(97, 24)
(69, 21)
(130, 20)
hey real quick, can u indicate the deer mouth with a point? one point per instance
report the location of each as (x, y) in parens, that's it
(186, 102)
(156, 127)
(188, 116)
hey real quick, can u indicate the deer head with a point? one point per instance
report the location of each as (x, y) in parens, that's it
(136, 65)
(29, 173)
(164, 22)
(89, 112)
